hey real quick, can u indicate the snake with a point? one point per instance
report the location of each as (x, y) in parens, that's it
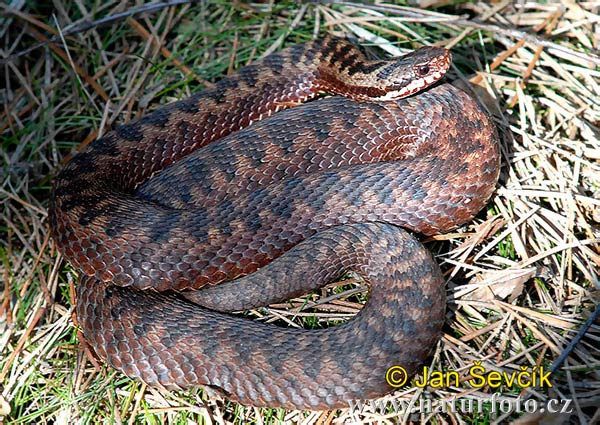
(310, 164)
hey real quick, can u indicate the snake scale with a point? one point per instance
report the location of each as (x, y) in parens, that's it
(213, 190)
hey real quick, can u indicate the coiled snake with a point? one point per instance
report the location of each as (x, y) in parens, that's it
(197, 193)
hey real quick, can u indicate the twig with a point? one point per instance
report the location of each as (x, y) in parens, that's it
(582, 331)
(78, 70)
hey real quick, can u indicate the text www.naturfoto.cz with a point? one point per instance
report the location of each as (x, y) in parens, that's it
(494, 404)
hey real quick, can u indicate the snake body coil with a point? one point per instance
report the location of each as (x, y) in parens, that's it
(159, 211)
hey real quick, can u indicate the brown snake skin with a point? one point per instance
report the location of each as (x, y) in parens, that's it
(193, 195)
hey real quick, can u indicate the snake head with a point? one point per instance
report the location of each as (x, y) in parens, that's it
(414, 72)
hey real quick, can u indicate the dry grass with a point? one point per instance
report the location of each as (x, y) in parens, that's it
(523, 276)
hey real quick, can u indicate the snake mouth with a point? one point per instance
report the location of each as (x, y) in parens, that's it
(414, 86)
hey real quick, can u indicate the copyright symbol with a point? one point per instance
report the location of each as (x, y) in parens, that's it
(396, 376)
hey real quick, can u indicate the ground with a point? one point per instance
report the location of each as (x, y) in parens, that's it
(522, 277)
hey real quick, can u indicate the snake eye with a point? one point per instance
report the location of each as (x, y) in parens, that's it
(423, 70)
